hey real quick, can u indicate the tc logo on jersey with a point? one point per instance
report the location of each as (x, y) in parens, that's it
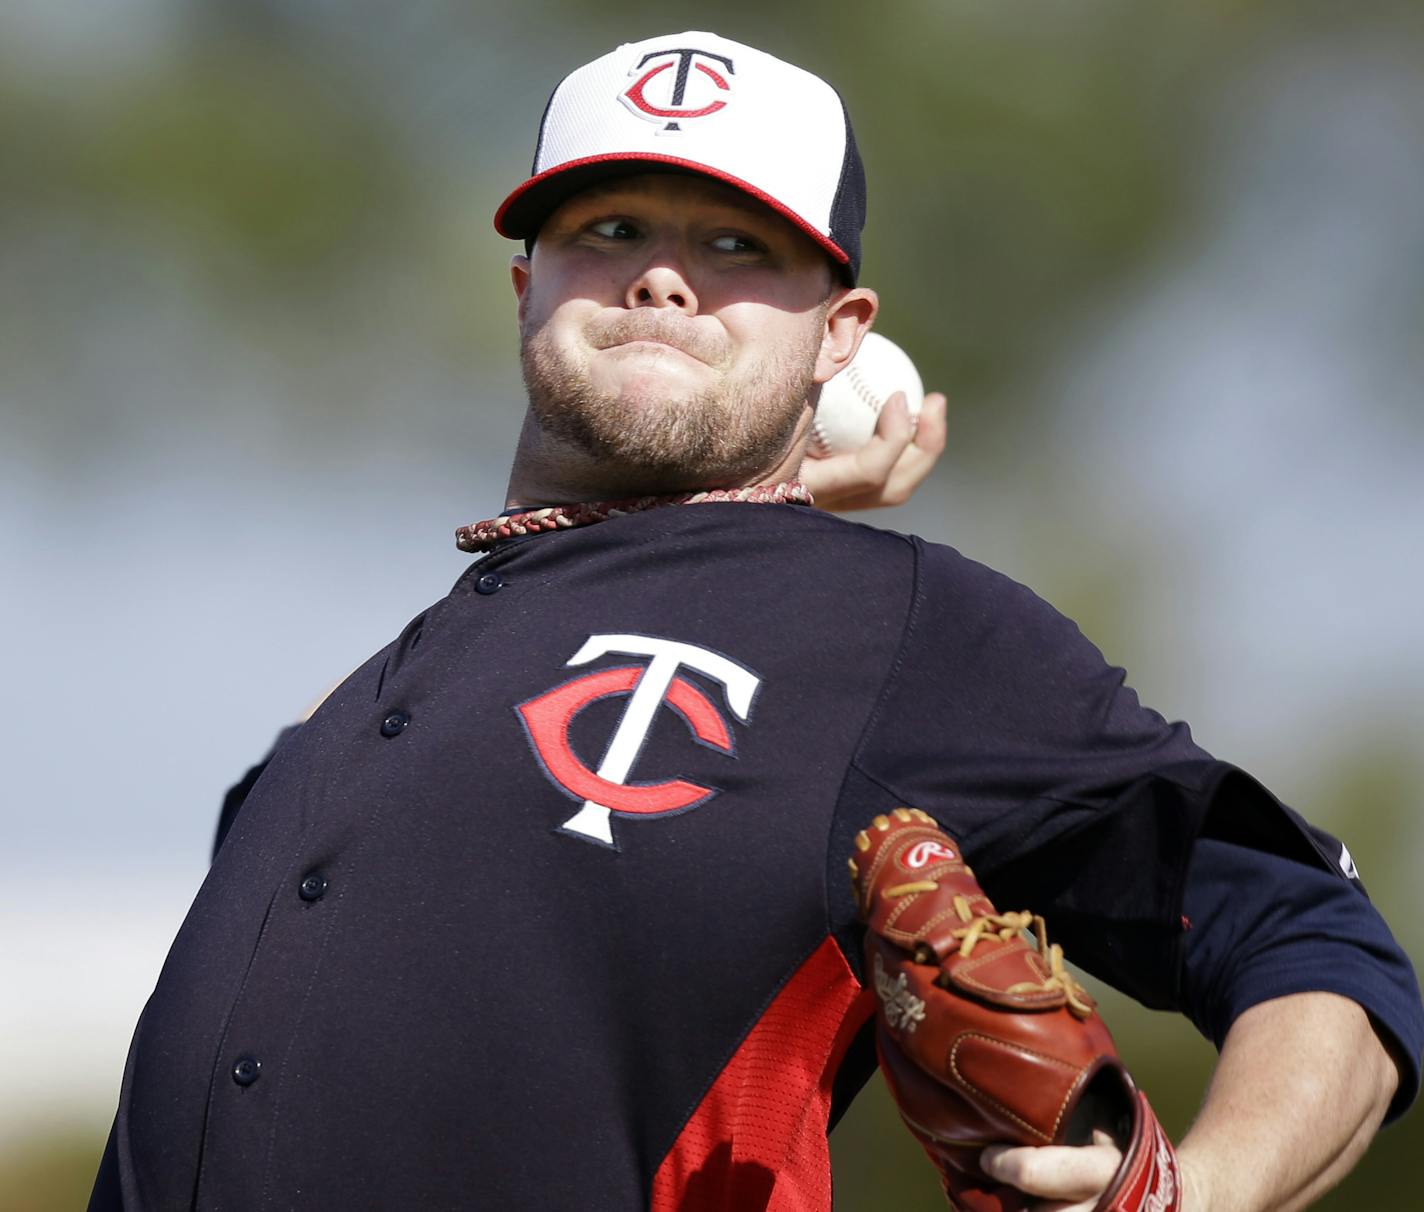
(548, 718)
(676, 85)
(922, 854)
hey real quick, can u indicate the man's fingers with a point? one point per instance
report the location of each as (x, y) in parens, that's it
(894, 423)
(1085, 1205)
(893, 433)
(932, 428)
(919, 458)
(888, 469)
(858, 478)
(1054, 1172)
(834, 479)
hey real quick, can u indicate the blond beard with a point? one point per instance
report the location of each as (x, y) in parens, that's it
(719, 437)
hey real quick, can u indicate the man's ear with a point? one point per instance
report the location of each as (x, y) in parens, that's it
(849, 315)
(519, 277)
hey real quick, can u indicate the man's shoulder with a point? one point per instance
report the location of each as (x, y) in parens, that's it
(956, 595)
(797, 540)
(941, 571)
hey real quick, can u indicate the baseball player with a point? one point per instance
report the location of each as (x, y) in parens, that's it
(546, 906)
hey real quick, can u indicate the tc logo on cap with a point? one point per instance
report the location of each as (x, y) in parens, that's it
(679, 85)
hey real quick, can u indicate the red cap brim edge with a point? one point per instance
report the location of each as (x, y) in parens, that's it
(517, 231)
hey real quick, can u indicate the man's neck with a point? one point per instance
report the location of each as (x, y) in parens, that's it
(548, 471)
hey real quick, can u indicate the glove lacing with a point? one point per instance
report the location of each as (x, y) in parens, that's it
(1004, 926)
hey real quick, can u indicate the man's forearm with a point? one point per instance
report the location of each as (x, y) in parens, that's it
(1301, 1086)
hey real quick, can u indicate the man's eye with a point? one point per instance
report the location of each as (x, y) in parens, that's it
(731, 242)
(614, 229)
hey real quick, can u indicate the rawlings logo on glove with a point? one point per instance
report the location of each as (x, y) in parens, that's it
(985, 1039)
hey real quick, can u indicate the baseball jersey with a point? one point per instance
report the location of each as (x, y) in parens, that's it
(547, 906)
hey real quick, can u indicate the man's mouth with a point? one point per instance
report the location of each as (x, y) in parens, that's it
(642, 336)
(653, 345)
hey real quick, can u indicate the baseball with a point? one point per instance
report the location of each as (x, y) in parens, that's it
(851, 402)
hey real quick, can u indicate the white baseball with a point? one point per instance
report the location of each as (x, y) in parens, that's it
(851, 402)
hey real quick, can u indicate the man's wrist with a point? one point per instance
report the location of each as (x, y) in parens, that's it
(1196, 1190)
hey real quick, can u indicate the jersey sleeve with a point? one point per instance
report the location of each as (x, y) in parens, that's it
(1066, 793)
(1263, 927)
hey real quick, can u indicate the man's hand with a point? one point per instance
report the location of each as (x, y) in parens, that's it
(1302, 1084)
(1067, 1179)
(888, 468)
(1070, 1179)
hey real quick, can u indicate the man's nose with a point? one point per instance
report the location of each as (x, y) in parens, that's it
(663, 282)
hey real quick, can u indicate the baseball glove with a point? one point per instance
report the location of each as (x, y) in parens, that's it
(985, 1039)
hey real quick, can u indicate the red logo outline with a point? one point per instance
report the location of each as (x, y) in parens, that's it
(686, 60)
(548, 717)
(634, 93)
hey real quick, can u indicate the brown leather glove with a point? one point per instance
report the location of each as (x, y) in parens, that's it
(985, 1039)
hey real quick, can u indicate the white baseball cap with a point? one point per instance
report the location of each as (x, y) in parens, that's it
(697, 102)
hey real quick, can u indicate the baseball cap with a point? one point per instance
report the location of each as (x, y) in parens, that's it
(696, 102)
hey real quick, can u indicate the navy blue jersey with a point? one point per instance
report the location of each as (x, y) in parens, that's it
(546, 907)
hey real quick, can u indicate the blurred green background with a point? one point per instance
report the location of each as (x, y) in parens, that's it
(257, 359)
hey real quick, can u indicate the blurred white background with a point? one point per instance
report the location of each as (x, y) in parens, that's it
(257, 360)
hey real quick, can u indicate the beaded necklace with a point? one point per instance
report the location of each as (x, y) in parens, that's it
(481, 536)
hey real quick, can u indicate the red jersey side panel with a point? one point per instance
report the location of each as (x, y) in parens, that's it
(757, 1140)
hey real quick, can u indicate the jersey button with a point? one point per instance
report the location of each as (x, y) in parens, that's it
(490, 582)
(246, 1070)
(394, 724)
(312, 887)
